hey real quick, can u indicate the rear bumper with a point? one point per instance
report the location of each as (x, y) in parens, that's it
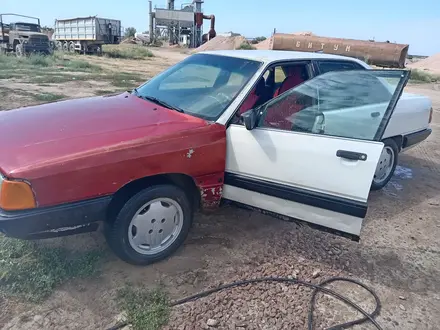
(412, 139)
(61, 220)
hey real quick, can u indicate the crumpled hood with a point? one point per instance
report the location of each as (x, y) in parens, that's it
(53, 132)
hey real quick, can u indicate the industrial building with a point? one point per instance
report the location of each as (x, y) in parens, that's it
(180, 26)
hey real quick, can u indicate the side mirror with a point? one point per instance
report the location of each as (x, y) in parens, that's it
(249, 118)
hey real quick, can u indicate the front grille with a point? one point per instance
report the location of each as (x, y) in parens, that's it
(38, 40)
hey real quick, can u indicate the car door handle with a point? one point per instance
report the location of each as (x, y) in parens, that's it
(352, 155)
(375, 114)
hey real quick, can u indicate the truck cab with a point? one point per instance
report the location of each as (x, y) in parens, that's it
(23, 37)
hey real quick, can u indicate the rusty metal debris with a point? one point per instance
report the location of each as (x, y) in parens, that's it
(376, 53)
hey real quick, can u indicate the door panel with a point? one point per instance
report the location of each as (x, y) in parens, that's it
(303, 170)
(302, 160)
(339, 222)
(304, 176)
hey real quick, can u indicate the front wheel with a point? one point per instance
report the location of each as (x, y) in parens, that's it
(151, 225)
(19, 51)
(386, 165)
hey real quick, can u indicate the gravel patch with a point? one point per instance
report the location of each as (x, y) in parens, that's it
(263, 305)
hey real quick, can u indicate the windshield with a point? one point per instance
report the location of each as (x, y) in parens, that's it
(27, 27)
(202, 85)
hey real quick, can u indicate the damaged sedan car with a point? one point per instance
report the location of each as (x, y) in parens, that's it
(302, 135)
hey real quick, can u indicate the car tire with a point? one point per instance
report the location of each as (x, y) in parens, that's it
(386, 165)
(19, 51)
(145, 219)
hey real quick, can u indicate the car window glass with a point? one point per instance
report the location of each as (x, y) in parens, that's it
(279, 75)
(191, 76)
(236, 79)
(202, 85)
(325, 67)
(348, 104)
(266, 74)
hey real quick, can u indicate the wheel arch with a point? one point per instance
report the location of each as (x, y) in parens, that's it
(398, 139)
(183, 181)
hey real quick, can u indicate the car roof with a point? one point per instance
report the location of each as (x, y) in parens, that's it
(269, 56)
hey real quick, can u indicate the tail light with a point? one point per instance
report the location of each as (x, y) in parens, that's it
(430, 115)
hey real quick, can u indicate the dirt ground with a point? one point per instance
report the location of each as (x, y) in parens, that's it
(398, 255)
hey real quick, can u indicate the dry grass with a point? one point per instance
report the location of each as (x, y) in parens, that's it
(135, 52)
(246, 46)
(423, 76)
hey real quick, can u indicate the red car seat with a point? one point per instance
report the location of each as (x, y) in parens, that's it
(294, 78)
(279, 115)
(253, 97)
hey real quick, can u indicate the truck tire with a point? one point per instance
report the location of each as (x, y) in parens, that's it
(386, 165)
(59, 46)
(151, 225)
(71, 47)
(19, 51)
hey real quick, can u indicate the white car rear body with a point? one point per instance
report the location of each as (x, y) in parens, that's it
(410, 115)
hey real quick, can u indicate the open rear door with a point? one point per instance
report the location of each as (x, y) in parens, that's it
(320, 169)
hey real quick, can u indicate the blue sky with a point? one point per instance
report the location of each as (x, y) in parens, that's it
(404, 21)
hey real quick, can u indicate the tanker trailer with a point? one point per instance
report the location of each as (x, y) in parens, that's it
(376, 53)
(86, 34)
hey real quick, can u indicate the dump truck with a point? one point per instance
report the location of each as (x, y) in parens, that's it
(86, 34)
(22, 38)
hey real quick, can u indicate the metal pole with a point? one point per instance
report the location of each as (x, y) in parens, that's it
(151, 22)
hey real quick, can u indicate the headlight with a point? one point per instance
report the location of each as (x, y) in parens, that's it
(16, 195)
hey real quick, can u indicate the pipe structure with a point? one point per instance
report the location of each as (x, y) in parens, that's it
(198, 5)
(150, 3)
(211, 33)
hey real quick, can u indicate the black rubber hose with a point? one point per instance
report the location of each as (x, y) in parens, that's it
(351, 323)
(317, 288)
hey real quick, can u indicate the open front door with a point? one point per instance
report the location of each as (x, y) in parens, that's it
(321, 168)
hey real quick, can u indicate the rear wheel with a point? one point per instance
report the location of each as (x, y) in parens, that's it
(151, 225)
(386, 165)
(71, 47)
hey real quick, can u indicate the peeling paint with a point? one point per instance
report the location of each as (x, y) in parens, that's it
(211, 196)
(189, 153)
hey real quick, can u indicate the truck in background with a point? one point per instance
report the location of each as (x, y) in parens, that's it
(86, 34)
(23, 38)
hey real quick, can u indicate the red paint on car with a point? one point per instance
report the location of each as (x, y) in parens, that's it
(85, 148)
